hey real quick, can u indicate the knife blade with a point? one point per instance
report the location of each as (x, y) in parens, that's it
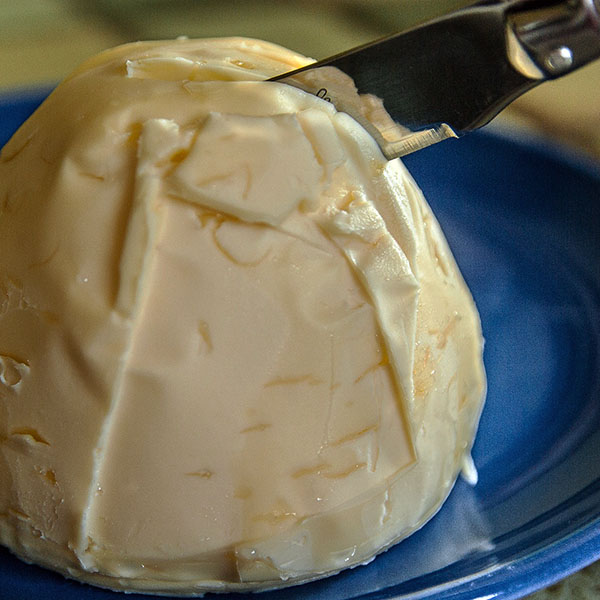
(454, 74)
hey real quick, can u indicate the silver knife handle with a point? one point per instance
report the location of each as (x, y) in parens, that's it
(558, 36)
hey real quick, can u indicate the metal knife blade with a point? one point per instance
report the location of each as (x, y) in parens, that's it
(454, 74)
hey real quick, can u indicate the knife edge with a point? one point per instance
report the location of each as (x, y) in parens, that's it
(440, 79)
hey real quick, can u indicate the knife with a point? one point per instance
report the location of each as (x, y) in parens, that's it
(454, 74)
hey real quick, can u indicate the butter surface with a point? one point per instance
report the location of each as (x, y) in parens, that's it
(235, 350)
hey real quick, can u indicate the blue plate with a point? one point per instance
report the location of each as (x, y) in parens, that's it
(523, 219)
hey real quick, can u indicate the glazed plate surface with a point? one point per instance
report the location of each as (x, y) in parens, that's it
(523, 219)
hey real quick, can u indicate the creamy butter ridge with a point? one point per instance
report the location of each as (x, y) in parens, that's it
(235, 349)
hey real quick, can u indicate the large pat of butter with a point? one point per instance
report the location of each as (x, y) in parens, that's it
(235, 350)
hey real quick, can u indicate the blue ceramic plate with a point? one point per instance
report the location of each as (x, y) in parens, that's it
(523, 219)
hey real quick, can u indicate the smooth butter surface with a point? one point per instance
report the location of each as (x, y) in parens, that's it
(235, 349)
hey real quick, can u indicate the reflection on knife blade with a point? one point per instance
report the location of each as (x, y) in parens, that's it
(454, 74)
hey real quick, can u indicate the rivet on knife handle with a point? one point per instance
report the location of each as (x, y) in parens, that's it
(559, 36)
(454, 74)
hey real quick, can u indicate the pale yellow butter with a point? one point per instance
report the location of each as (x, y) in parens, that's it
(235, 350)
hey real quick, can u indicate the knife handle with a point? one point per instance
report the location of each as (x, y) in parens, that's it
(558, 36)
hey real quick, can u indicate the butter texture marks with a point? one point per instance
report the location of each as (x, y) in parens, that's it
(235, 350)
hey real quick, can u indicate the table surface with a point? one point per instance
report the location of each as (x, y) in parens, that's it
(40, 42)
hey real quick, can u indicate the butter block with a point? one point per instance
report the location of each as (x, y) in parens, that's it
(236, 352)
